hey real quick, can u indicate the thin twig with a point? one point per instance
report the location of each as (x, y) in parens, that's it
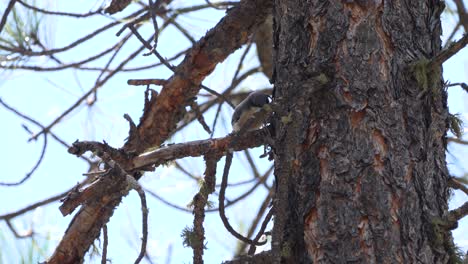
(456, 214)
(150, 48)
(36, 205)
(8, 9)
(41, 156)
(226, 93)
(28, 234)
(261, 180)
(261, 211)
(196, 109)
(448, 52)
(462, 15)
(456, 140)
(82, 98)
(236, 73)
(144, 210)
(48, 12)
(155, 23)
(261, 231)
(452, 34)
(34, 168)
(222, 212)
(71, 45)
(454, 183)
(104, 246)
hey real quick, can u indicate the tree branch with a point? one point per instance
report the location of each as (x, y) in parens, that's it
(198, 148)
(448, 52)
(8, 9)
(229, 34)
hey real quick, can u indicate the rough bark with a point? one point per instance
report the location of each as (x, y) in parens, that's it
(360, 164)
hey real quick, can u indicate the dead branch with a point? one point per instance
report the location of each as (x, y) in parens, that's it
(451, 220)
(448, 52)
(198, 148)
(454, 183)
(200, 200)
(457, 140)
(104, 246)
(462, 15)
(159, 121)
(144, 211)
(104, 196)
(231, 32)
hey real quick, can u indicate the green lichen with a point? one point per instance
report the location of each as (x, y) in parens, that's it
(322, 79)
(286, 119)
(427, 76)
(189, 238)
(456, 125)
(441, 239)
(286, 250)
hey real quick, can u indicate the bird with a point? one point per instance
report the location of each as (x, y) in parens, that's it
(246, 110)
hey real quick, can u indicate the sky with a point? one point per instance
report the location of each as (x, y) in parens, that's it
(45, 95)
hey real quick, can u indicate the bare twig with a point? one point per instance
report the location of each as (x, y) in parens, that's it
(92, 90)
(41, 156)
(8, 9)
(462, 15)
(455, 215)
(34, 168)
(448, 52)
(18, 113)
(464, 86)
(166, 202)
(146, 81)
(236, 73)
(261, 232)
(36, 205)
(196, 109)
(454, 183)
(48, 12)
(452, 34)
(457, 140)
(104, 246)
(71, 45)
(222, 212)
(28, 234)
(144, 210)
(153, 19)
(261, 180)
(225, 94)
(256, 221)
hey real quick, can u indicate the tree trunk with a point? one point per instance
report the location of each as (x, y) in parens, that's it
(360, 137)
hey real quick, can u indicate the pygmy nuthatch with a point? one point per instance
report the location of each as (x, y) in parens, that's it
(246, 110)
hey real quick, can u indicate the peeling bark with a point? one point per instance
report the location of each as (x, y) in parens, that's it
(163, 113)
(360, 164)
